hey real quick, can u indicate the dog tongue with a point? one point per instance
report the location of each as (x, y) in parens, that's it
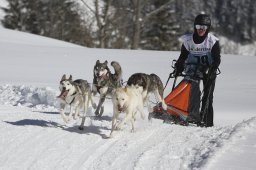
(120, 109)
(63, 94)
(104, 77)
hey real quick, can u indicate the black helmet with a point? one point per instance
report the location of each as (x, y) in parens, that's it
(203, 19)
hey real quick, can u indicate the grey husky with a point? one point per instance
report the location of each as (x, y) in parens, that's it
(104, 82)
(76, 94)
(150, 83)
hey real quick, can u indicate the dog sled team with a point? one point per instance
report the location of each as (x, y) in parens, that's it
(199, 61)
(130, 99)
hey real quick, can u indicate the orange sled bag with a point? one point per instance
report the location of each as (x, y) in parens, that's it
(182, 101)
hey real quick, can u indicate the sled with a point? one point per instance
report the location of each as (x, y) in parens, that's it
(177, 105)
(178, 101)
(182, 101)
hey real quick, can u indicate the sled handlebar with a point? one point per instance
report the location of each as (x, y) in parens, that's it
(174, 73)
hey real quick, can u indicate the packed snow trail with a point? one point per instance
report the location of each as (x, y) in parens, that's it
(239, 152)
(40, 140)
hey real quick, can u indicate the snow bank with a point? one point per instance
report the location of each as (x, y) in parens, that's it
(33, 97)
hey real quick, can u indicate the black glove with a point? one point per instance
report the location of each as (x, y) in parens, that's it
(179, 67)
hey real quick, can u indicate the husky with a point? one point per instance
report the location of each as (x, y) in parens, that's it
(150, 84)
(104, 82)
(128, 100)
(75, 94)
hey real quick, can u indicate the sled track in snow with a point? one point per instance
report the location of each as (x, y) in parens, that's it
(121, 148)
(37, 141)
(92, 153)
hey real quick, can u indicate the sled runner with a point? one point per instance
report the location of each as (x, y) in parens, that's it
(183, 102)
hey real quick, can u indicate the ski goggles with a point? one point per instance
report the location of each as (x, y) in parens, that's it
(203, 27)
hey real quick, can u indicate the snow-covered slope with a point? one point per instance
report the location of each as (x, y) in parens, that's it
(33, 136)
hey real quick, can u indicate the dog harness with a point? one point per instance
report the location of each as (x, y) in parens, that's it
(72, 99)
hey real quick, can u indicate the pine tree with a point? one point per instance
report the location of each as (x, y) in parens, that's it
(52, 18)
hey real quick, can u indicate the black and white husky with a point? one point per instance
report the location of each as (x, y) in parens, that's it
(75, 94)
(104, 82)
(150, 83)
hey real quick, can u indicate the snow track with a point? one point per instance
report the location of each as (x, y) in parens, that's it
(40, 140)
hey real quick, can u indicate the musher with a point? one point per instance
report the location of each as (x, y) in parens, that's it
(200, 59)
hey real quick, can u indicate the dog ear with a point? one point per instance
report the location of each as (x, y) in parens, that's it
(63, 77)
(98, 62)
(106, 62)
(70, 77)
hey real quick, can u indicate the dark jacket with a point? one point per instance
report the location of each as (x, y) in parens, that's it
(215, 52)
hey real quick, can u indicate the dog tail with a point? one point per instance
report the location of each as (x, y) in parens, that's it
(118, 71)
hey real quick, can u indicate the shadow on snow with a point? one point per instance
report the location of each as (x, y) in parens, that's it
(74, 129)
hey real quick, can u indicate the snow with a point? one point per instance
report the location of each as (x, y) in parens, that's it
(229, 46)
(33, 135)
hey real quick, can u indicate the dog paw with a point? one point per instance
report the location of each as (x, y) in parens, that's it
(64, 119)
(96, 113)
(118, 127)
(101, 111)
(81, 128)
(68, 120)
(111, 135)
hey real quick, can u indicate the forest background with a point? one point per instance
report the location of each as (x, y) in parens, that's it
(133, 24)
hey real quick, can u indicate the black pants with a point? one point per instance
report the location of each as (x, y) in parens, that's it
(206, 112)
(194, 101)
